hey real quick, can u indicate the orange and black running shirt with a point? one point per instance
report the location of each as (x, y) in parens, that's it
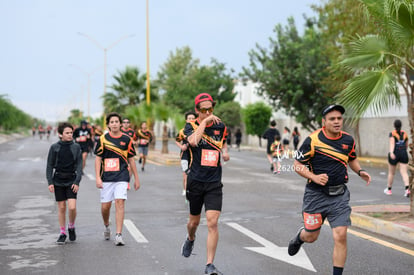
(144, 138)
(205, 165)
(329, 156)
(130, 132)
(185, 155)
(401, 140)
(115, 152)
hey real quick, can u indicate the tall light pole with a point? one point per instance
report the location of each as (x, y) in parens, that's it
(148, 53)
(105, 49)
(89, 85)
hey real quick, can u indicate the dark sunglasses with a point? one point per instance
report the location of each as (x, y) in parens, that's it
(204, 110)
(125, 121)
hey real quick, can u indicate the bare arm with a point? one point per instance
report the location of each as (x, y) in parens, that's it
(392, 146)
(195, 137)
(133, 166)
(98, 161)
(356, 167)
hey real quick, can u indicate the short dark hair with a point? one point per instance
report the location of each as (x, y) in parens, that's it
(64, 125)
(273, 123)
(189, 113)
(110, 115)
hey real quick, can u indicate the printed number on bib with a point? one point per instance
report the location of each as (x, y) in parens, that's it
(83, 138)
(312, 221)
(209, 157)
(111, 165)
(143, 141)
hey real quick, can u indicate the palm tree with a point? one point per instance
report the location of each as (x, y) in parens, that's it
(379, 62)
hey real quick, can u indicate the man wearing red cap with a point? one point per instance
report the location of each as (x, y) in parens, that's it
(207, 139)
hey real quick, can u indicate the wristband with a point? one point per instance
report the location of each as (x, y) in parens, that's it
(359, 172)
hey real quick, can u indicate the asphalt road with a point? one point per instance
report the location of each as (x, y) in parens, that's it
(261, 213)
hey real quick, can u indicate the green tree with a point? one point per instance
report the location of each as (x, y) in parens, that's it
(229, 113)
(381, 60)
(256, 117)
(291, 72)
(129, 89)
(11, 117)
(76, 116)
(182, 78)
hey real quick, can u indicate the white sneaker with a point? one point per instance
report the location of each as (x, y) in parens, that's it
(407, 193)
(118, 240)
(387, 192)
(107, 233)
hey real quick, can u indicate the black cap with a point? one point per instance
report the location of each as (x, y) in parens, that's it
(332, 107)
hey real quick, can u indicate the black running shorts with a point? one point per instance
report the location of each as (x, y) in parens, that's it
(63, 193)
(400, 157)
(208, 193)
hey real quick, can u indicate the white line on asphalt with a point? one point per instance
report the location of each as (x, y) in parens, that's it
(90, 176)
(133, 230)
(21, 147)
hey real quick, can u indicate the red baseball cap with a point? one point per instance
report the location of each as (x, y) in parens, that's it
(203, 97)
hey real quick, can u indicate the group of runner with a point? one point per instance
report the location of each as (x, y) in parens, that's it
(326, 153)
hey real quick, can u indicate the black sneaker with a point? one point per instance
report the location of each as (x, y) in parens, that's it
(142, 168)
(61, 239)
(212, 270)
(294, 244)
(187, 248)
(72, 234)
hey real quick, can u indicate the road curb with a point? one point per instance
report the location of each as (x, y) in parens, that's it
(386, 228)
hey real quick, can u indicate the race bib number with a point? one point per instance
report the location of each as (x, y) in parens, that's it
(143, 141)
(312, 221)
(111, 165)
(83, 139)
(209, 157)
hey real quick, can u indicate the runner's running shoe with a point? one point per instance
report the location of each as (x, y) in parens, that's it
(212, 270)
(387, 192)
(72, 234)
(187, 247)
(118, 240)
(107, 233)
(61, 239)
(295, 244)
(407, 193)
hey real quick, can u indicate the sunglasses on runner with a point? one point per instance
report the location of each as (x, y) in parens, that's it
(204, 110)
(125, 121)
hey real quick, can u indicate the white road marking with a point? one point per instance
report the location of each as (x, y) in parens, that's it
(90, 176)
(133, 230)
(21, 147)
(273, 251)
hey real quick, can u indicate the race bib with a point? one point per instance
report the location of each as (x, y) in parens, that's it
(143, 141)
(111, 165)
(209, 157)
(312, 221)
(83, 139)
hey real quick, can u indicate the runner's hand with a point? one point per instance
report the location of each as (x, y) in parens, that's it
(75, 188)
(226, 156)
(365, 176)
(51, 188)
(99, 184)
(212, 118)
(321, 179)
(136, 185)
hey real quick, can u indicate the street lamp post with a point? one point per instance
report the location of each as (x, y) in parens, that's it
(105, 49)
(89, 85)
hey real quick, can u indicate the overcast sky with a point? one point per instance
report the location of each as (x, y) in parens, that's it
(44, 61)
